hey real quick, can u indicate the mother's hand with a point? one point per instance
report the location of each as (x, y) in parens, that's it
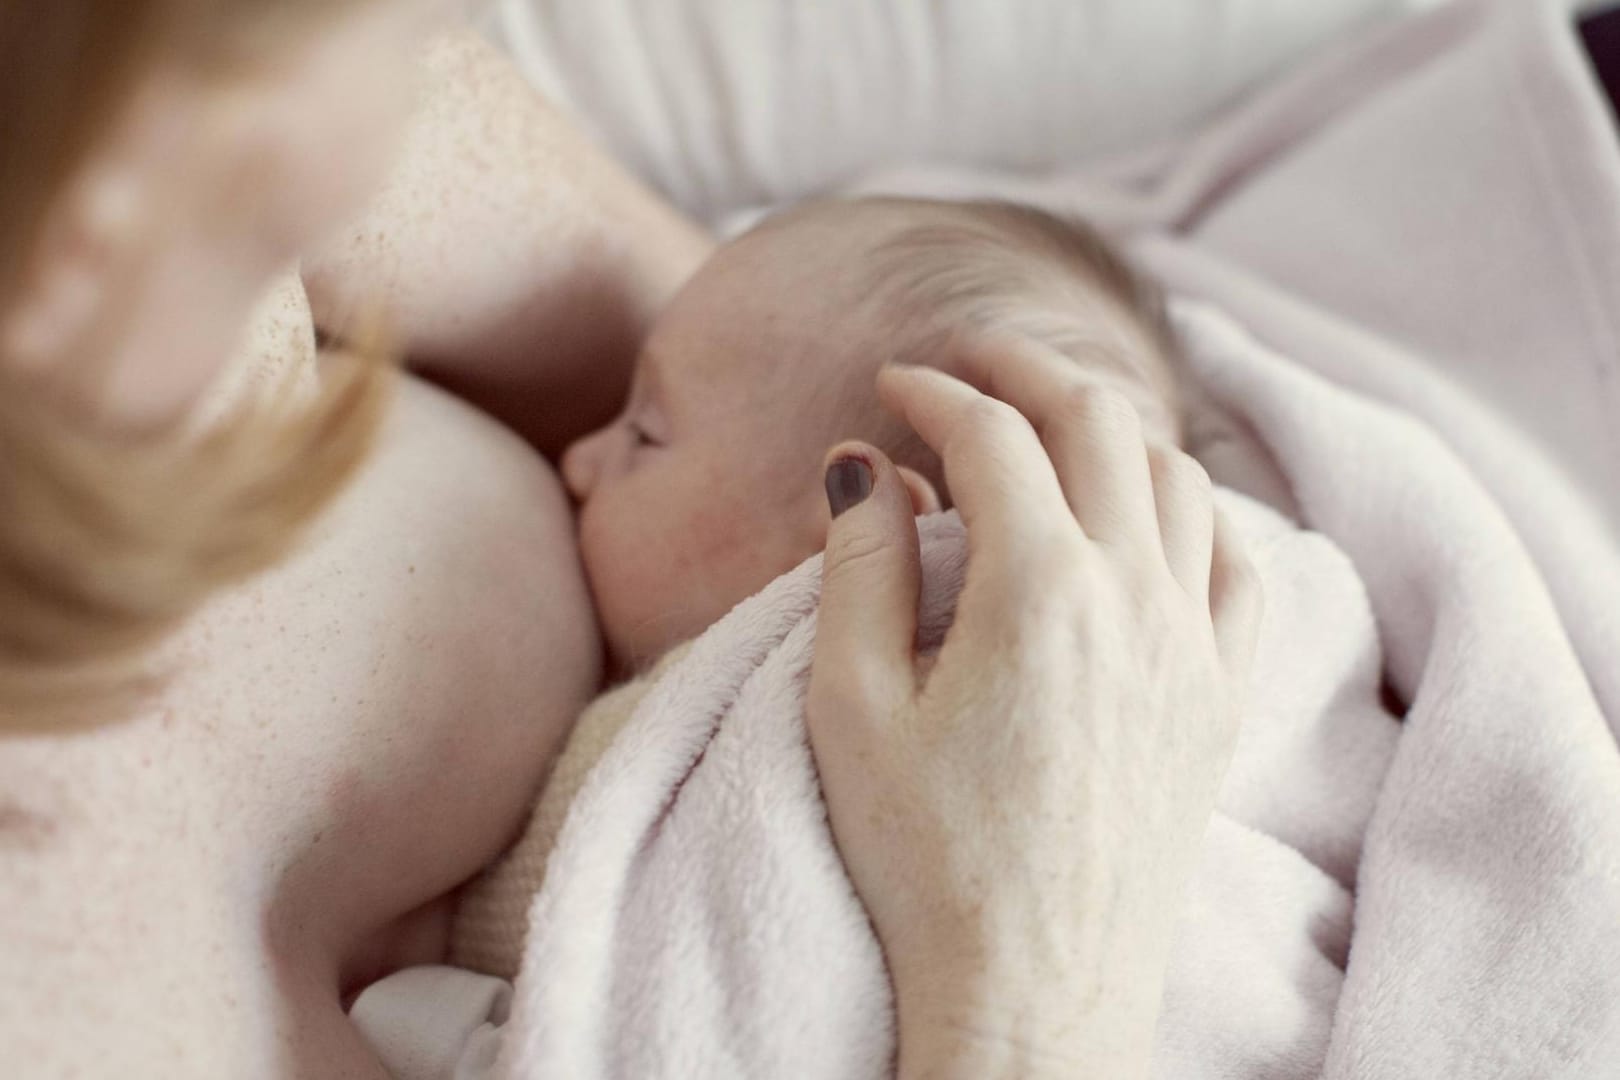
(1020, 820)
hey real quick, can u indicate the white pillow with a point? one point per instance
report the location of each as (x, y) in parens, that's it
(725, 104)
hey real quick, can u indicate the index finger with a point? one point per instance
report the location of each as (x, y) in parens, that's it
(1089, 425)
(1000, 477)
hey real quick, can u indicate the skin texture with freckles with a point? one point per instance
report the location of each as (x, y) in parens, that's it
(192, 891)
(544, 312)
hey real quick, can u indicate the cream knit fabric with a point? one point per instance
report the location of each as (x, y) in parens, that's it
(492, 915)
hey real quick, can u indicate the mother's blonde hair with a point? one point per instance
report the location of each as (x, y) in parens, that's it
(108, 542)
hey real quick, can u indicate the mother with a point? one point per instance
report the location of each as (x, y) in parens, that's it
(217, 820)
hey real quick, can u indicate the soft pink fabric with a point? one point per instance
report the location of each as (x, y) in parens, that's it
(1400, 273)
(695, 919)
(1488, 891)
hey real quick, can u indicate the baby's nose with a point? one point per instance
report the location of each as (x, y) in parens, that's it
(582, 464)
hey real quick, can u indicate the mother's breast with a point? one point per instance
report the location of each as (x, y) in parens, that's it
(344, 740)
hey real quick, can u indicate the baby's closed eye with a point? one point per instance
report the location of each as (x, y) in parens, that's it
(641, 437)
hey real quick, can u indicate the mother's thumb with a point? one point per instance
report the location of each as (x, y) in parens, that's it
(867, 629)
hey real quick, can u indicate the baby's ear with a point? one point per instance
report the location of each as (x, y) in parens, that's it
(924, 496)
(924, 500)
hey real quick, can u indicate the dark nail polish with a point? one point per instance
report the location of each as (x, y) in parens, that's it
(849, 482)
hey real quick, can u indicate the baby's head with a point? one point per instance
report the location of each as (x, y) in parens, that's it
(709, 484)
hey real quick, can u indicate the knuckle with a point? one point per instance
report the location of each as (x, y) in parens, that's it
(989, 418)
(837, 698)
(850, 694)
(1181, 467)
(856, 554)
(989, 429)
(1180, 477)
(1102, 410)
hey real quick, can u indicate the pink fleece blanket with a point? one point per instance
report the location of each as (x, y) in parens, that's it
(695, 919)
(1407, 265)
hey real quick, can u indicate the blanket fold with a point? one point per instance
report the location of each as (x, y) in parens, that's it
(695, 920)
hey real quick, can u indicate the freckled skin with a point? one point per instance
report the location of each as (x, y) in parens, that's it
(190, 891)
(561, 258)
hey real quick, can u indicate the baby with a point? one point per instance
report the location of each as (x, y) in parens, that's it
(708, 486)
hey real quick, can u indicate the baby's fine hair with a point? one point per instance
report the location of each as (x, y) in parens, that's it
(1003, 269)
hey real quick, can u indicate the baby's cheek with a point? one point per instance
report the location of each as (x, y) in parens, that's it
(643, 572)
(742, 544)
(721, 540)
(673, 547)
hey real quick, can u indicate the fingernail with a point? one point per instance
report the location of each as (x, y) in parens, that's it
(849, 482)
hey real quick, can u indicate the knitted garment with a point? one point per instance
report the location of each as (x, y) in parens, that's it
(492, 913)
